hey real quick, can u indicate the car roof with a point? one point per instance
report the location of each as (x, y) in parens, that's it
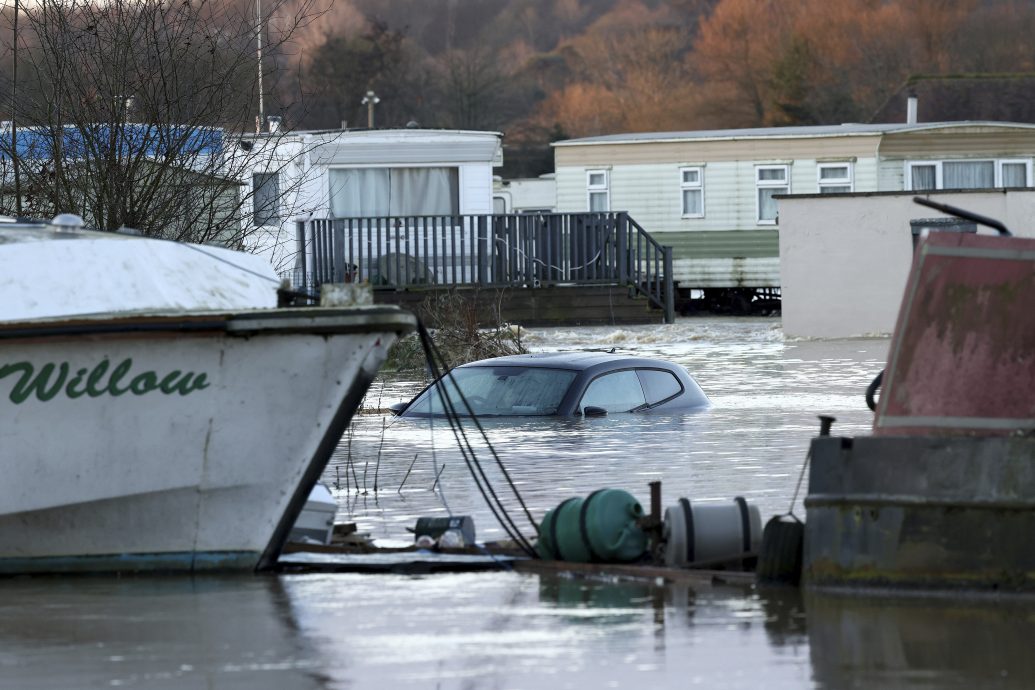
(570, 360)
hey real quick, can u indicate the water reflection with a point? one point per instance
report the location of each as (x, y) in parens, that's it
(154, 632)
(523, 631)
(921, 642)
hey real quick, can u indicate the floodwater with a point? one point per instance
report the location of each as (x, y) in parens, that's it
(508, 630)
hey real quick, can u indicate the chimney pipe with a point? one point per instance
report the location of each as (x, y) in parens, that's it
(911, 104)
(273, 123)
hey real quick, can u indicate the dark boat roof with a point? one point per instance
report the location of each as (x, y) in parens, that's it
(577, 361)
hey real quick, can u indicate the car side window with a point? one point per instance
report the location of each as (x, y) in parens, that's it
(659, 385)
(616, 392)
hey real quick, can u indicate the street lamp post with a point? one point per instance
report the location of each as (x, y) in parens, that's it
(14, 117)
(370, 100)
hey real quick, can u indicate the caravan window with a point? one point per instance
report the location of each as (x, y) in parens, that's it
(967, 174)
(369, 192)
(770, 180)
(834, 178)
(691, 184)
(598, 195)
(265, 197)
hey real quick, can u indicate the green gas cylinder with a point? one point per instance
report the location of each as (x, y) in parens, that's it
(599, 528)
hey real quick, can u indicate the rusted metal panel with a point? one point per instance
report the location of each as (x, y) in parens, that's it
(962, 361)
(920, 512)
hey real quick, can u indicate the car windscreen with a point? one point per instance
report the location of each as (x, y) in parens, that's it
(495, 391)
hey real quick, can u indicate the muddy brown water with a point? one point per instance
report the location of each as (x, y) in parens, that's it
(509, 630)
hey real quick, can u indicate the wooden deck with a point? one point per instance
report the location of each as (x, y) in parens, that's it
(571, 268)
(576, 305)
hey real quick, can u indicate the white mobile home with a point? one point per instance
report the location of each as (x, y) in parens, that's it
(525, 194)
(364, 174)
(711, 195)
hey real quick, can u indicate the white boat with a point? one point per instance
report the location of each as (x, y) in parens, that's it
(315, 524)
(157, 410)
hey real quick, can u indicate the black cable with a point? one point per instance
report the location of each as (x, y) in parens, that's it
(499, 511)
(467, 450)
(492, 450)
(871, 391)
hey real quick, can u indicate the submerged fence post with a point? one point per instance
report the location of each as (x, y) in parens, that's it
(302, 259)
(483, 250)
(338, 275)
(622, 236)
(670, 296)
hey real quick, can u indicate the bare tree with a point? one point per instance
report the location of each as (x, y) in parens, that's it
(125, 110)
(474, 87)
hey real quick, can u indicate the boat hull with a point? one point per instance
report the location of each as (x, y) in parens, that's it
(921, 512)
(174, 442)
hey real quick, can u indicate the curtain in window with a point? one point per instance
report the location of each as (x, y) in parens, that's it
(265, 199)
(424, 192)
(833, 173)
(1015, 175)
(692, 205)
(968, 175)
(923, 177)
(368, 192)
(359, 192)
(767, 207)
(598, 202)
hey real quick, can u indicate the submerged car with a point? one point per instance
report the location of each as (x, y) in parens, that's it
(561, 383)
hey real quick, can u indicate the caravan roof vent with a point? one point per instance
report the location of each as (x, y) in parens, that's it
(67, 221)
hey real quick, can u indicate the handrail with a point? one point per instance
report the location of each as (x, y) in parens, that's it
(515, 250)
(651, 273)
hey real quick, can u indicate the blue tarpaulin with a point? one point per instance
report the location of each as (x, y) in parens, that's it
(123, 141)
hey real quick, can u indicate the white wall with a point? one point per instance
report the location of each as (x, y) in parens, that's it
(475, 181)
(523, 194)
(844, 260)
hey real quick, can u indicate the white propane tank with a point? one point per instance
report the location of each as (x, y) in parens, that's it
(710, 533)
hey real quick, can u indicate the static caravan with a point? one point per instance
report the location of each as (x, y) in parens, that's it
(524, 194)
(713, 196)
(366, 175)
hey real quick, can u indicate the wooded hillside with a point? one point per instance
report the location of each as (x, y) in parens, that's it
(541, 70)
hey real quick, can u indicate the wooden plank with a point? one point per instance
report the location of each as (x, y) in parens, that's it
(648, 572)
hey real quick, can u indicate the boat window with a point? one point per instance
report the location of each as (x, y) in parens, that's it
(499, 391)
(619, 391)
(659, 385)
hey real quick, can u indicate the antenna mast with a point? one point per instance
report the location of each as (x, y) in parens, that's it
(258, 40)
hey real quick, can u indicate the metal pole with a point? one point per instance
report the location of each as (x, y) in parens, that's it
(258, 41)
(14, 126)
(370, 100)
(670, 296)
(300, 240)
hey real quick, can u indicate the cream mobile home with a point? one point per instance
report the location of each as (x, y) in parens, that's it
(712, 195)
